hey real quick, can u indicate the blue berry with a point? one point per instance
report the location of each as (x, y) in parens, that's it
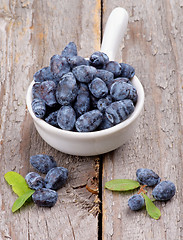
(36, 90)
(98, 88)
(136, 202)
(104, 82)
(67, 89)
(42, 162)
(59, 65)
(106, 76)
(105, 124)
(122, 79)
(83, 89)
(70, 50)
(119, 111)
(114, 67)
(121, 90)
(82, 103)
(164, 191)
(56, 178)
(89, 121)
(103, 103)
(43, 74)
(147, 177)
(77, 61)
(98, 59)
(47, 93)
(45, 197)
(66, 118)
(52, 119)
(127, 71)
(93, 102)
(39, 108)
(34, 180)
(84, 73)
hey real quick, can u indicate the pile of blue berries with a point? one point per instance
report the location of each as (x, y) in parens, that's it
(81, 95)
(45, 194)
(163, 191)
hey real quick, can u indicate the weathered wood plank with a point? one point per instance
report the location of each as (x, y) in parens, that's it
(153, 46)
(30, 33)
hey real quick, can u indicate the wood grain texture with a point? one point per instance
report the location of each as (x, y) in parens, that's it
(30, 33)
(153, 45)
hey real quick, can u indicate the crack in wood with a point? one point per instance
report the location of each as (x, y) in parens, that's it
(70, 225)
(80, 186)
(100, 197)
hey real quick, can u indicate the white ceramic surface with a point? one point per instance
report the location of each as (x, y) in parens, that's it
(99, 142)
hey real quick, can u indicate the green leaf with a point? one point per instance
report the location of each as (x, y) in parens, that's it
(17, 182)
(152, 210)
(121, 185)
(21, 200)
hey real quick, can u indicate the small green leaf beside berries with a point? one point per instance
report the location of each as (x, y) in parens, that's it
(152, 210)
(20, 187)
(122, 185)
(34, 187)
(163, 191)
(21, 200)
(18, 183)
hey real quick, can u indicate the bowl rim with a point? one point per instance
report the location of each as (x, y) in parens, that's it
(95, 134)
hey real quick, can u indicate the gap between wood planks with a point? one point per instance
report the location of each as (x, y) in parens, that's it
(100, 198)
(101, 156)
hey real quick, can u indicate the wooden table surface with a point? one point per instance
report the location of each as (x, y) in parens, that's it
(30, 33)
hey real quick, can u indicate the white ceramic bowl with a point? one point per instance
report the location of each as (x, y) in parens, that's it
(98, 142)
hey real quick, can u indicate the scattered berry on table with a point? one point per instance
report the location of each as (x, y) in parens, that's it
(34, 180)
(66, 118)
(127, 71)
(164, 191)
(38, 107)
(42, 162)
(70, 50)
(89, 121)
(56, 178)
(45, 197)
(147, 177)
(136, 202)
(98, 88)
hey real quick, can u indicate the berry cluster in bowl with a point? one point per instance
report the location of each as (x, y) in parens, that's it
(83, 95)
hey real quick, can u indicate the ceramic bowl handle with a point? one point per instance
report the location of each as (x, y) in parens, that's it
(114, 32)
